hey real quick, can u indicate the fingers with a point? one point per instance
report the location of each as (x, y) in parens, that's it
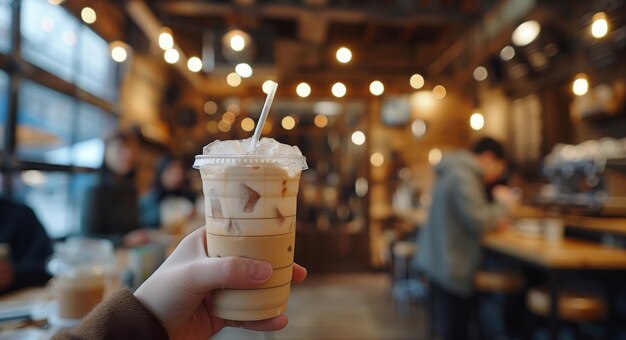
(227, 272)
(273, 324)
(299, 273)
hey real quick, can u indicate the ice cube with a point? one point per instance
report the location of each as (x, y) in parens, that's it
(216, 205)
(249, 198)
(211, 147)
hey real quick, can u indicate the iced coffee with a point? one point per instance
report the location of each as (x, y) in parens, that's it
(250, 199)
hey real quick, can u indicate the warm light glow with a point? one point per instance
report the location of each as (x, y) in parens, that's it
(288, 122)
(361, 186)
(526, 33)
(303, 90)
(171, 56)
(118, 51)
(234, 108)
(358, 137)
(194, 64)
(344, 55)
(166, 39)
(233, 79)
(416, 81)
(418, 128)
(377, 159)
(507, 53)
(477, 121)
(439, 92)
(434, 156)
(244, 70)
(237, 42)
(228, 117)
(223, 126)
(580, 86)
(247, 124)
(339, 90)
(210, 107)
(480, 73)
(212, 127)
(377, 88)
(88, 15)
(56, 2)
(69, 38)
(320, 121)
(600, 26)
(267, 86)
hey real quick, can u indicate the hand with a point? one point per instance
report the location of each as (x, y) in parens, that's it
(179, 292)
(506, 196)
(6, 274)
(136, 238)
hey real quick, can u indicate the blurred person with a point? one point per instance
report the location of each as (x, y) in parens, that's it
(25, 247)
(110, 208)
(175, 302)
(169, 182)
(449, 250)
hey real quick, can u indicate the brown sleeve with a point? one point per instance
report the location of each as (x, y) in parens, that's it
(121, 316)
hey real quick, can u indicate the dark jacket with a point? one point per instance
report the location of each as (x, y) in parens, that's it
(449, 249)
(30, 245)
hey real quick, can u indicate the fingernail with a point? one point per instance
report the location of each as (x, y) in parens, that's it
(259, 270)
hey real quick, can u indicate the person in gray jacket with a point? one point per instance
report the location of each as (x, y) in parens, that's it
(449, 246)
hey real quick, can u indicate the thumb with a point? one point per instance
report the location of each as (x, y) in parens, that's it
(228, 272)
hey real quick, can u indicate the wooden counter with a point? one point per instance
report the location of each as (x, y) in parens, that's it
(568, 254)
(615, 225)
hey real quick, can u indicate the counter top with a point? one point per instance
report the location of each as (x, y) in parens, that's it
(567, 254)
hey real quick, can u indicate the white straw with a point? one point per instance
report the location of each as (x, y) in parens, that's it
(266, 109)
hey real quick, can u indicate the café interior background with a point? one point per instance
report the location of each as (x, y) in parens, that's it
(372, 92)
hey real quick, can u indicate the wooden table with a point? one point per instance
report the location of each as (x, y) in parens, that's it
(555, 258)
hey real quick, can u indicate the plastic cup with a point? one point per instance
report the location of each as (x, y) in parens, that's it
(250, 208)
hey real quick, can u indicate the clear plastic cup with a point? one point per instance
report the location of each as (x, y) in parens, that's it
(250, 208)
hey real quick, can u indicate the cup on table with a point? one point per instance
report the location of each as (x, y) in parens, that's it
(250, 208)
(554, 228)
(81, 267)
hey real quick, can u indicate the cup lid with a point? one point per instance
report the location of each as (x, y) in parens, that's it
(291, 162)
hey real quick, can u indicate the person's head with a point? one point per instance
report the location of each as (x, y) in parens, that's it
(170, 174)
(120, 153)
(491, 159)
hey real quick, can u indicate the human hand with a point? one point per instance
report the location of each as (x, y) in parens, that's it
(6, 274)
(136, 238)
(179, 292)
(506, 196)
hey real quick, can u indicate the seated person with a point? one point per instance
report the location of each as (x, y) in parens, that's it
(27, 245)
(169, 182)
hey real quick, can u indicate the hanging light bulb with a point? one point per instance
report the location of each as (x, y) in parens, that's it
(166, 39)
(599, 26)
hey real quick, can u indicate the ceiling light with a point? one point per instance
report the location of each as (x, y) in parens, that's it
(194, 64)
(526, 33)
(233, 79)
(288, 122)
(580, 86)
(358, 137)
(344, 55)
(303, 90)
(507, 53)
(439, 92)
(171, 56)
(339, 90)
(377, 88)
(477, 121)
(88, 15)
(166, 39)
(600, 26)
(480, 73)
(416, 81)
(244, 70)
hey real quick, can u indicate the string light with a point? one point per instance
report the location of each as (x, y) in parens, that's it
(194, 64)
(88, 15)
(439, 92)
(244, 70)
(288, 123)
(507, 53)
(377, 88)
(377, 159)
(434, 156)
(580, 86)
(320, 121)
(118, 51)
(477, 121)
(233, 79)
(600, 26)
(358, 137)
(344, 55)
(210, 107)
(171, 56)
(416, 81)
(247, 124)
(526, 33)
(339, 90)
(166, 39)
(480, 73)
(303, 90)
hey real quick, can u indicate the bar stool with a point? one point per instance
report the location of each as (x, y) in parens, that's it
(573, 306)
(509, 283)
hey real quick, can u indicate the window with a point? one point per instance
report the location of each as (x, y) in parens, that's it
(44, 124)
(97, 71)
(5, 25)
(94, 125)
(4, 94)
(49, 37)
